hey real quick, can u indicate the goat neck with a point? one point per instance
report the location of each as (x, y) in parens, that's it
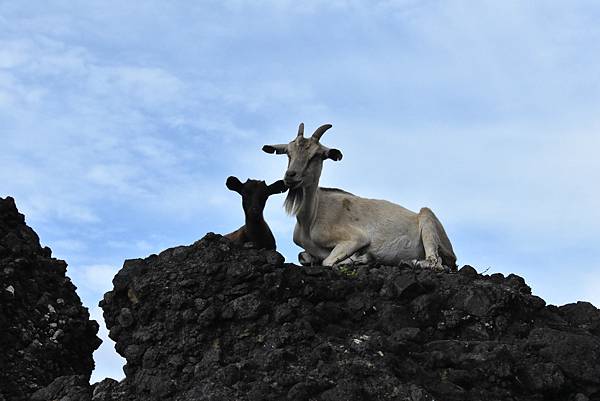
(307, 212)
(258, 230)
(255, 223)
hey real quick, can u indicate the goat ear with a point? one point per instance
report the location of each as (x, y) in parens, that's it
(334, 154)
(277, 149)
(234, 184)
(278, 187)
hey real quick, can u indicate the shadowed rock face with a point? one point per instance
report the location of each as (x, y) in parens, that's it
(45, 332)
(212, 321)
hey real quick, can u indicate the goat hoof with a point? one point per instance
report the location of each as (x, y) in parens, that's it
(441, 269)
(431, 264)
(305, 259)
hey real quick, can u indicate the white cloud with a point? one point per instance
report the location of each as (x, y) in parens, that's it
(93, 280)
(100, 275)
(68, 246)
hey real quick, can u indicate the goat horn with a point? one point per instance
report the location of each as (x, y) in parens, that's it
(320, 131)
(301, 129)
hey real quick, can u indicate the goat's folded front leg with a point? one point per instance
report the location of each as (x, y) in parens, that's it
(358, 258)
(306, 259)
(344, 250)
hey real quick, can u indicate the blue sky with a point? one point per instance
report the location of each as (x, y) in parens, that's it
(119, 124)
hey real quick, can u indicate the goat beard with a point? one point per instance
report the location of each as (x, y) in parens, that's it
(293, 201)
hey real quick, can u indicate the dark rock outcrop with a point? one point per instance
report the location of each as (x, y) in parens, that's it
(212, 321)
(45, 332)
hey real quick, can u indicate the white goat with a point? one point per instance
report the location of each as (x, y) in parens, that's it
(334, 226)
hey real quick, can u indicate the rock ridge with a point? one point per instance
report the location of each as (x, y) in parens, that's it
(214, 321)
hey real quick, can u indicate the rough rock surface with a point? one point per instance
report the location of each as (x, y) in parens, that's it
(212, 321)
(45, 332)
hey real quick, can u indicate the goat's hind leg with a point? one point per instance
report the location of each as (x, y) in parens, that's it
(428, 226)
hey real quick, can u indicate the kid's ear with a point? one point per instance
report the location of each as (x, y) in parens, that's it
(334, 154)
(278, 187)
(234, 184)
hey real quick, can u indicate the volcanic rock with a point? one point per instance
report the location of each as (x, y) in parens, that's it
(213, 321)
(45, 332)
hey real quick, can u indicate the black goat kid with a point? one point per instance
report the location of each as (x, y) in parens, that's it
(254, 198)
